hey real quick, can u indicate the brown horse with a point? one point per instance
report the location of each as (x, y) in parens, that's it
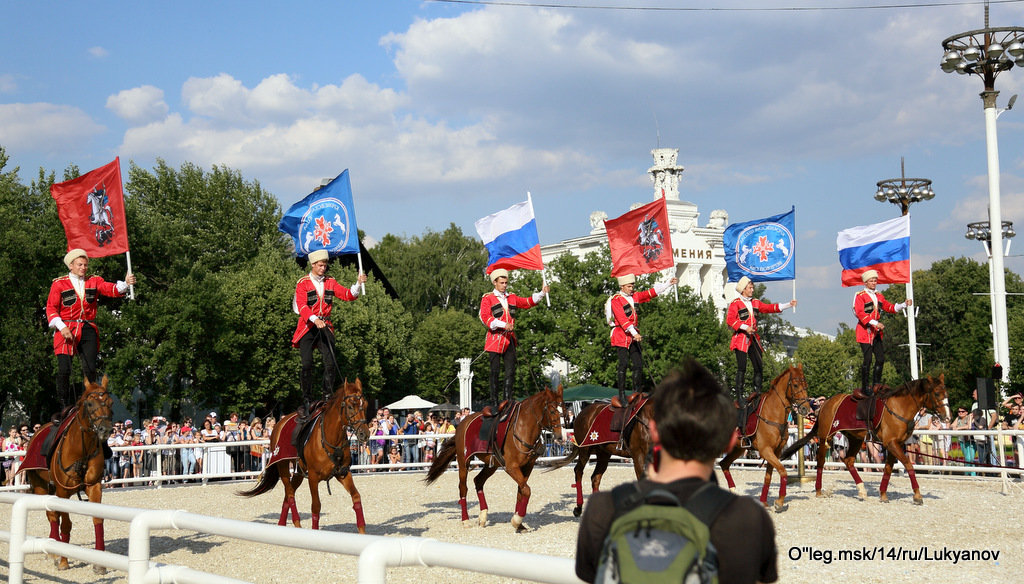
(894, 427)
(637, 448)
(76, 463)
(522, 446)
(326, 454)
(788, 392)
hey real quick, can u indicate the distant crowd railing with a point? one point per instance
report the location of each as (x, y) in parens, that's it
(161, 464)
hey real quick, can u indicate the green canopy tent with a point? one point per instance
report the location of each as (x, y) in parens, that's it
(589, 392)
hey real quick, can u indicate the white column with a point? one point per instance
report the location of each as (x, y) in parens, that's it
(465, 382)
(996, 224)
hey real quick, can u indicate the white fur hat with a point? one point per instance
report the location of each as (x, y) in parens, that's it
(74, 254)
(500, 272)
(627, 279)
(319, 255)
(742, 284)
(868, 275)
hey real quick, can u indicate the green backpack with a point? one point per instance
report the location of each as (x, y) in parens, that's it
(655, 538)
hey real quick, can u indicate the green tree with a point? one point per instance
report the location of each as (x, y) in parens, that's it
(440, 338)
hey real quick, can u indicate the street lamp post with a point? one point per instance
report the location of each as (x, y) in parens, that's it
(902, 192)
(986, 53)
(982, 231)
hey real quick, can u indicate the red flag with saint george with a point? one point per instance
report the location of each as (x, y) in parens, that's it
(639, 240)
(91, 208)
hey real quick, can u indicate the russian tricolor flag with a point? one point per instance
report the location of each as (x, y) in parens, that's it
(510, 237)
(884, 247)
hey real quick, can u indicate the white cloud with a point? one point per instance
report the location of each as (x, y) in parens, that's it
(45, 127)
(139, 105)
(98, 52)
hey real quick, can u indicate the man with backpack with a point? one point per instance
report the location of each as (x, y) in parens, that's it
(678, 512)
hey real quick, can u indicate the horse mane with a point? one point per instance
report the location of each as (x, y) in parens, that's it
(912, 387)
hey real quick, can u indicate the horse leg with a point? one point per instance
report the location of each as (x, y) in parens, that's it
(896, 449)
(820, 459)
(314, 508)
(582, 458)
(771, 456)
(603, 456)
(95, 494)
(726, 462)
(288, 504)
(883, 487)
(478, 482)
(463, 489)
(357, 501)
(520, 476)
(851, 458)
(64, 520)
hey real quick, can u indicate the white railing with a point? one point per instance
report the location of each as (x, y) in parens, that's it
(376, 553)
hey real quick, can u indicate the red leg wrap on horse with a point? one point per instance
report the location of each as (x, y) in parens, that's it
(579, 494)
(521, 506)
(98, 528)
(54, 534)
(884, 486)
(483, 501)
(358, 508)
(913, 479)
(764, 492)
(782, 486)
(855, 474)
(817, 481)
(65, 537)
(316, 520)
(465, 513)
(728, 478)
(295, 510)
(284, 514)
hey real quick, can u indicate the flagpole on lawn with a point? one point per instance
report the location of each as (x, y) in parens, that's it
(131, 287)
(543, 272)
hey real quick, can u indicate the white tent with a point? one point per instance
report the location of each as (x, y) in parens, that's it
(411, 402)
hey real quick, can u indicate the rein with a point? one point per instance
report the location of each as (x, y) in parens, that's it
(79, 466)
(336, 452)
(781, 426)
(532, 450)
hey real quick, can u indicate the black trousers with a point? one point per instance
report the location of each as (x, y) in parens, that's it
(87, 349)
(632, 356)
(753, 354)
(321, 339)
(508, 359)
(868, 349)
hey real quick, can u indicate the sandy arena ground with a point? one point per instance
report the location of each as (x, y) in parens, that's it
(959, 515)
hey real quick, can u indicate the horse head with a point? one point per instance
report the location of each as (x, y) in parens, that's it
(551, 415)
(934, 395)
(96, 409)
(352, 408)
(796, 389)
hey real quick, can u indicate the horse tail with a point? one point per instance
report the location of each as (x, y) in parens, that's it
(268, 479)
(570, 456)
(442, 459)
(801, 442)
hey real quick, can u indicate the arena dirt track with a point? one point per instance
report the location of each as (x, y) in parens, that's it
(958, 514)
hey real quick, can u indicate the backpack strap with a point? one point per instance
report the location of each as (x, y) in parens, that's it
(707, 502)
(626, 496)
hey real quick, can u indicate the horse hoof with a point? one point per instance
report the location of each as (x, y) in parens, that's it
(99, 570)
(466, 524)
(780, 508)
(919, 501)
(483, 518)
(819, 495)
(577, 511)
(521, 527)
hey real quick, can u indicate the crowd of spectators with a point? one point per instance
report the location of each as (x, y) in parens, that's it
(381, 450)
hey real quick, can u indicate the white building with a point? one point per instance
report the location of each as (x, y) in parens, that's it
(699, 258)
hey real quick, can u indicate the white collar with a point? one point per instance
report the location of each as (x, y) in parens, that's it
(317, 279)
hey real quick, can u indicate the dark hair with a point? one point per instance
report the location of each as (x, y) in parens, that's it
(694, 417)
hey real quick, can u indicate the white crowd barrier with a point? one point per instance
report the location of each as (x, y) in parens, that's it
(376, 553)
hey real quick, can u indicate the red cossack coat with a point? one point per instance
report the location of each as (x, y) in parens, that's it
(491, 309)
(739, 314)
(73, 309)
(625, 314)
(867, 310)
(310, 302)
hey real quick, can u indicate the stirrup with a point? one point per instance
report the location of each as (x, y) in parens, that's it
(746, 443)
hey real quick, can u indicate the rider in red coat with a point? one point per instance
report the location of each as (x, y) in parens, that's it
(625, 335)
(868, 306)
(498, 314)
(71, 312)
(746, 343)
(314, 298)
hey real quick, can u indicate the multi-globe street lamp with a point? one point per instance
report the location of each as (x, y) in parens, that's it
(982, 231)
(902, 192)
(987, 52)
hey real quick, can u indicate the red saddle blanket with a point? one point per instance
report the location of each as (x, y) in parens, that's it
(754, 418)
(34, 459)
(285, 449)
(846, 416)
(474, 444)
(600, 431)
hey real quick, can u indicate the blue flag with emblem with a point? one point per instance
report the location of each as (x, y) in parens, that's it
(763, 250)
(325, 219)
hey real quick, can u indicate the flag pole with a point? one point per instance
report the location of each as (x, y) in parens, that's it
(131, 287)
(794, 294)
(359, 260)
(543, 272)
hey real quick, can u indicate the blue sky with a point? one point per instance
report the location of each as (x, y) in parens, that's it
(446, 112)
